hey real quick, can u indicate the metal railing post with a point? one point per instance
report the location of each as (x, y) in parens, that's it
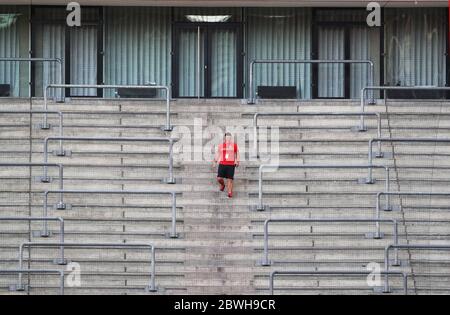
(63, 94)
(152, 286)
(370, 80)
(260, 189)
(171, 179)
(44, 213)
(388, 187)
(168, 126)
(362, 122)
(378, 216)
(20, 286)
(250, 84)
(379, 135)
(61, 205)
(61, 133)
(370, 162)
(173, 233)
(62, 283)
(266, 261)
(396, 259)
(45, 176)
(255, 135)
(271, 281)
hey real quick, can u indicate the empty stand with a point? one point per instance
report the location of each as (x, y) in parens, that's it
(221, 239)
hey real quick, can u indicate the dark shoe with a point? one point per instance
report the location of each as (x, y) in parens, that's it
(230, 195)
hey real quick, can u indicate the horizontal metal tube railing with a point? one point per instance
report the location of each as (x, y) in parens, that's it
(45, 179)
(361, 127)
(262, 207)
(171, 141)
(13, 112)
(345, 273)
(408, 247)
(46, 112)
(167, 127)
(36, 271)
(395, 88)
(418, 194)
(14, 59)
(406, 140)
(59, 61)
(151, 287)
(173, 231)
(266, 262)
(43, 219)
(44, 233)
(252, 97)
(62, 114)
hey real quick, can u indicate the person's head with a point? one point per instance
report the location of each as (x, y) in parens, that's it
(227, 137)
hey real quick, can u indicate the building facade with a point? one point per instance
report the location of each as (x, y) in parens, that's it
(206, 52)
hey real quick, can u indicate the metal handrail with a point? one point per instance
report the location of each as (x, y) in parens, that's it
(171, 141)
(393, 88)
(379, 140)
(389, 193)
(35, 271)
(45, 233)
(151, 287)
(266, 262)
(262, 207)
(173, 232)
(43, 60)
(410, 246)
(252, 97)
(361, 127)
(46, 112)
(61, 115)
(337, 273)
(44, 179)
(388, 208)
(44, 219)
(167, 127)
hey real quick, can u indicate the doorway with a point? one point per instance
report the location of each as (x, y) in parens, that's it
(343, 34)
(207, 60)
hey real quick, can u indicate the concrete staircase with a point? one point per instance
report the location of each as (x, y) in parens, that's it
(220, 241)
